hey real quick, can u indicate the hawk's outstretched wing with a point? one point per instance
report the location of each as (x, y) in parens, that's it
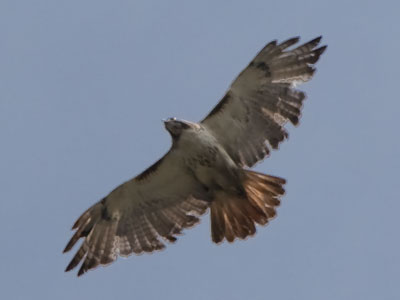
(158, 203)
(249, 120)
(166, 198)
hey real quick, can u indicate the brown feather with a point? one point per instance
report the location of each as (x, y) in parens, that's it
(262, 99)
(234, 216)
(219, 225)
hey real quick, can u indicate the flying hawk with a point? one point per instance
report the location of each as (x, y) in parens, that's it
(206, 166)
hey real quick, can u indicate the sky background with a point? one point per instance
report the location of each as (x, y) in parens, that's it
(83, 87)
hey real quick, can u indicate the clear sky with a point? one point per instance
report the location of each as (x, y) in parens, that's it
(83, 87)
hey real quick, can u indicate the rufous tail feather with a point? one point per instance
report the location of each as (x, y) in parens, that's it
(235, 216)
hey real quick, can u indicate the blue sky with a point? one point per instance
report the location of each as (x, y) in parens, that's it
(83, 87)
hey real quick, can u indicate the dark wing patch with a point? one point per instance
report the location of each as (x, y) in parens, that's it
(262, 66)
(224, 101)
(139, 215)
(262, 99)
(150, 170)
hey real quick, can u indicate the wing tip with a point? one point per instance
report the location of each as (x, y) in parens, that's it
(320, 50)
(273, 42)
(292, 40)
(69, 267)
(316, 40)
(314, 43)
(81, 272)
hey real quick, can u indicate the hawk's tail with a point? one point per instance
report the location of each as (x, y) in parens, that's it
(235, 217)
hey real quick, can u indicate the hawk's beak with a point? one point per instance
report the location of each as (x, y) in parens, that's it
(165, 122)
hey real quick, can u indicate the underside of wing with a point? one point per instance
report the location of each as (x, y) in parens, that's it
(249, 120)
(139, 215)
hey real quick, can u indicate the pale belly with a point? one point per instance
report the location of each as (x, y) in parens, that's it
(210, 164)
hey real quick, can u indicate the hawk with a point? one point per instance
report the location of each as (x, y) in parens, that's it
(207, 166)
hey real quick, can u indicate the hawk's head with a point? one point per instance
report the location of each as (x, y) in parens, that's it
(175, 127)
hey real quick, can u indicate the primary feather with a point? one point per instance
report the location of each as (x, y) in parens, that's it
(205, 166)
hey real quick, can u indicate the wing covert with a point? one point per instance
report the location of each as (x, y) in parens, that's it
(138, 215)
(250, 118)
